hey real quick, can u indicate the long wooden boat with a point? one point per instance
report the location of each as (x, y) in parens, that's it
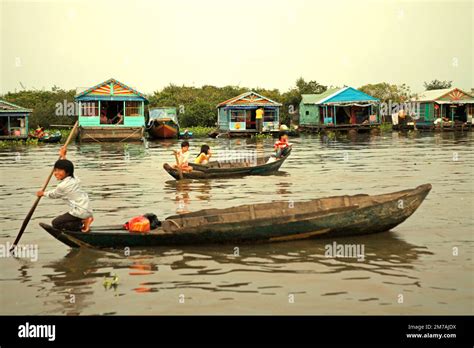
(218, 169)
(163, 123)
(276, 221)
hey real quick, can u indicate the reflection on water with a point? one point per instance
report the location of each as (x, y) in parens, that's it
(84, 270)
(124, 180)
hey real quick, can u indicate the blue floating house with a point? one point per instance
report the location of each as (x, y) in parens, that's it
(339, 108)
(13, 121)
(111, 111)
(238, 115)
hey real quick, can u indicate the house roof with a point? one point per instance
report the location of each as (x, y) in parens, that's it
(315, 98)
(338, 95)
(249, 99)
(451, 93)
(104, 90)
(10, 107)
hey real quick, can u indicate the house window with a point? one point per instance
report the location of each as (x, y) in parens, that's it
(90, 108)
(132, 108)
(269, 116)
(307, 112)
(237, 115)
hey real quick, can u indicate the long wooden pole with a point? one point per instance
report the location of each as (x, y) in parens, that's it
(33, 208)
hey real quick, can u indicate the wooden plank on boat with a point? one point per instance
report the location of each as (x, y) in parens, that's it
(299, 236)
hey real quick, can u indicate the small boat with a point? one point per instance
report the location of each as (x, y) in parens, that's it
(277, 221)
(185, 135)
(49, 138)
(218, 169)
(163, 123)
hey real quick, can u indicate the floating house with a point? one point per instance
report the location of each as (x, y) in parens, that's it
(13, 121)
(445, 108)
(238, 115)
(111, 111)
(342, 108)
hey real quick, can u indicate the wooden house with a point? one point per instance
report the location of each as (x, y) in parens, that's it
(450, 107)
(238, 115)
(338, 108)
(111, 111)
(13, 121)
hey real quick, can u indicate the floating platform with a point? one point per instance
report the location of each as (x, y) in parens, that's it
(434, 128)
(341, 128)
(111, 134)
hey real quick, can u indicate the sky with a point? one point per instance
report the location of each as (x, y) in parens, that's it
(251, 43)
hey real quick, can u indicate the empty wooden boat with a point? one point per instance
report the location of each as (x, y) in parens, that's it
(276, 221)
(163, 123)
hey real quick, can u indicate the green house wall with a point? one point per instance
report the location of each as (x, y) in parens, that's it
(309, 114)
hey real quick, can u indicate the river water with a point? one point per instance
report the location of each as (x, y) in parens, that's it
(423, 266)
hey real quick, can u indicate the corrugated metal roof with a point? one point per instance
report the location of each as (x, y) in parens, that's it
(316, 98)
(433, 94)
(10, 107)
(338, 95)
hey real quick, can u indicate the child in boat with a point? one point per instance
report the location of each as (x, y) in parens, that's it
(183, 158)
(204, 155)
(282, 146)
(79, 217)
(39, 132)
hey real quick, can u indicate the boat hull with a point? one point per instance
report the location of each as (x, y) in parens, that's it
(163, 129)
(212, 172)
(322, 218)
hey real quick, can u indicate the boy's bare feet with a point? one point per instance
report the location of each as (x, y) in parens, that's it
(86, 224)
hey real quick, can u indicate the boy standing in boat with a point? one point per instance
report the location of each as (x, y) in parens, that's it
(79, 217)
(183, 158)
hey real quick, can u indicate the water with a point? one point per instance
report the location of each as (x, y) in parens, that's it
(423, 266)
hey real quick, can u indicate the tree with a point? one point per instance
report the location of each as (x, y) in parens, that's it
(436, 84)
(387, 92)
(43, 104)
(310, 87)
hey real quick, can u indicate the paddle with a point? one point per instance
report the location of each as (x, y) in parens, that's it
(180, 172)
(32, 210)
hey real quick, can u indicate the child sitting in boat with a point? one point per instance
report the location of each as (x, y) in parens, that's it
(282, 146)
(79, 217)
(39, 132)
(183, 158)
(204, 155)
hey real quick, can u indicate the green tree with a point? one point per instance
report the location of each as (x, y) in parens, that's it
(387, 92)
(437, 84)
(44, 105)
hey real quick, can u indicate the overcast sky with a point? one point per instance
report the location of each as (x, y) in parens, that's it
(251, 43)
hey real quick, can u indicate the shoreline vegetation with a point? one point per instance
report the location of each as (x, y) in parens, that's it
(196, 105)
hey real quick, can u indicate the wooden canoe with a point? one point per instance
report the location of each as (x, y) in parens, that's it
(277, 221)
(216, 169)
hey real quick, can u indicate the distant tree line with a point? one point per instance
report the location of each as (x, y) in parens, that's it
(197, 105)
